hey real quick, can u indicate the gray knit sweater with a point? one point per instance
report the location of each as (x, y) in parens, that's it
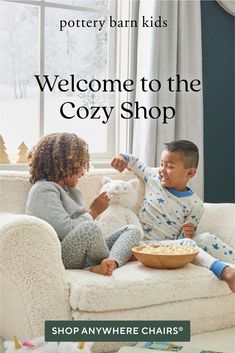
(62, 208)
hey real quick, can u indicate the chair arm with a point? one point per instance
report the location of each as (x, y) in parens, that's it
(33, 282)
(219, 219)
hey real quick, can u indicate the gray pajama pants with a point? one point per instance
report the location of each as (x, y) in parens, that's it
(86, 246)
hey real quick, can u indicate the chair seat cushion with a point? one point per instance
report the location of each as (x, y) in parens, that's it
(135, 286)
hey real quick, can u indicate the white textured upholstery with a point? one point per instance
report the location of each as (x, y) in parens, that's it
(35, 285)
(219, 219)
(33, 281)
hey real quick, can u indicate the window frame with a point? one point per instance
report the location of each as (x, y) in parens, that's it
(97, 158)
(122, 65)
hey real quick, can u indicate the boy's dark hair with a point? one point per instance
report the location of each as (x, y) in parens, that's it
(57, 156)
(188, 151)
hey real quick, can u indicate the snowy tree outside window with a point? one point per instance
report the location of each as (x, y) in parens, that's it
(84, 53)
(19, 103)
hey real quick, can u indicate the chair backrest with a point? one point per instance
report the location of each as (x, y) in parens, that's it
(14, 187)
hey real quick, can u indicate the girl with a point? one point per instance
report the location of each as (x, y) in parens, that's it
(56, 164)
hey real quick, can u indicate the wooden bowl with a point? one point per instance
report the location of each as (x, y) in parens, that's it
(163, 261)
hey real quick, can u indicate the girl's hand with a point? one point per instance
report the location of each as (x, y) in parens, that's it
(99, 205)
(119, 163)
(188, 229)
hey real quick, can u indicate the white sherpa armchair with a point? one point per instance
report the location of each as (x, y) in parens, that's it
(36, 287)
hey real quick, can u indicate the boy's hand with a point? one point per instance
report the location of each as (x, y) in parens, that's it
(119, 163)
(188, 229)
(99, 205)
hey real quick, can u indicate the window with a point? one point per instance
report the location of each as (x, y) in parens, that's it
(19, 95)
(33, 45)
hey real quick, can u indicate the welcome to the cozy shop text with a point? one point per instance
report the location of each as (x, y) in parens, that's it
(128, 110)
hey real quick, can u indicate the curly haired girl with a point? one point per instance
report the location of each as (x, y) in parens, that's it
(56, 163)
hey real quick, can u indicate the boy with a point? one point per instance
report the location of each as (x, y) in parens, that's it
(171, 210)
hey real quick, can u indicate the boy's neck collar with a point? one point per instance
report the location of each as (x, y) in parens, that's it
(177, 193)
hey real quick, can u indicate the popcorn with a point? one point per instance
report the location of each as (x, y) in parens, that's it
(174, 249)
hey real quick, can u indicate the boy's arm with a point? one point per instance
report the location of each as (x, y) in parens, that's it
(188, 230)
(127, 160)
(191, 221)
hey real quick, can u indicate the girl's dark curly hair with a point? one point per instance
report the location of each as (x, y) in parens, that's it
(57, 156)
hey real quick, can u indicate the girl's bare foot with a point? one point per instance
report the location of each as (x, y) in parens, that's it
(106, 267)
(228, 275)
